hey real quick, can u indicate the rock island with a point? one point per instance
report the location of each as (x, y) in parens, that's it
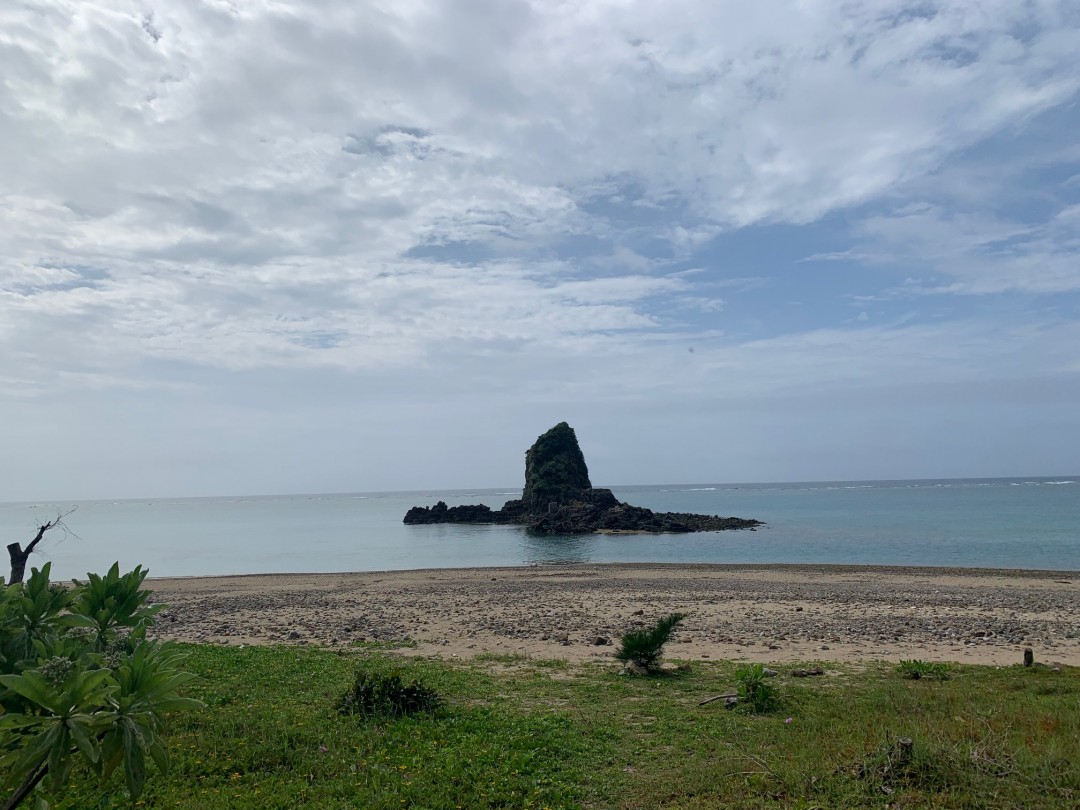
(559, 499)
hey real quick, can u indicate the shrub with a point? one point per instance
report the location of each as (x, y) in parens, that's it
(916, 669)
(643, 647)
(79, 679)
(754, 691)
(385, 694)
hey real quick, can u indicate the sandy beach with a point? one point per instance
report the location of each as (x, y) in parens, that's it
(767, 613)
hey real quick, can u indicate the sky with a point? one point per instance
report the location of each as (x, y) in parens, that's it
(273, 246)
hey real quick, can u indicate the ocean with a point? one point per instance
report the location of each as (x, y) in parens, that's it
(994, 523)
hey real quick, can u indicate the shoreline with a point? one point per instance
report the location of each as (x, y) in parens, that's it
(772, 613)
(822, 567)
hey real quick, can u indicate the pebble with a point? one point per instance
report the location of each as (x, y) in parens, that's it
(851, 609)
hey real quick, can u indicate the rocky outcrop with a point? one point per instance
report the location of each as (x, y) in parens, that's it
(512, 512)
(559, 498)
(441, 513)
(555, 470)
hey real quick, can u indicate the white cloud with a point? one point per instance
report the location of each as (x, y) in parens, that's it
(180, 146)
(502, 193)
(975, 253)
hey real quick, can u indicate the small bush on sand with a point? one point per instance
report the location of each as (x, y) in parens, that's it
(643, 647)
(385, 694)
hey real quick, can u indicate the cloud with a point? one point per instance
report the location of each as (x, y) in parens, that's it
(971, 252)
(406, 188)
(202, 154)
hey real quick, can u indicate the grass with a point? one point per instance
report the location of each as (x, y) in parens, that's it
(557, 735)
(917, 669)
(384, 645)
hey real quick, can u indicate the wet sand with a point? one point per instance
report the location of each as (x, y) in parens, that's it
(767, 613)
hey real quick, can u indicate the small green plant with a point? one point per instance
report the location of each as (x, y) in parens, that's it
(754, 691)
(916, 669)
(385, 694)
(643, 647)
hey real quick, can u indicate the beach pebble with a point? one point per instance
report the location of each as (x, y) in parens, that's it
(889, 614)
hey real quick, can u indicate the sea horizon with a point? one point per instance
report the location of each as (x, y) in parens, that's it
(1063, 478)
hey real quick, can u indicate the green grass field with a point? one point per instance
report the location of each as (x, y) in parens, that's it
(520, 733)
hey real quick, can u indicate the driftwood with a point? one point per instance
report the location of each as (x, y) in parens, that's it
(718, 697)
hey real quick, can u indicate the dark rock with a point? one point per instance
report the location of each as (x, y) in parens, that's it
(441, 513)
(601, 641)
(559, 498)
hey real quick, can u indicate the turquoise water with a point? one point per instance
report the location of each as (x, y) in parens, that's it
(997, 523)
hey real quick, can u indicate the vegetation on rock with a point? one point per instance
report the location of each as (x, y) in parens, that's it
(555, 469)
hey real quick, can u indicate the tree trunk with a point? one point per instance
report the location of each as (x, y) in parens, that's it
(18, 562)
(19, 555)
